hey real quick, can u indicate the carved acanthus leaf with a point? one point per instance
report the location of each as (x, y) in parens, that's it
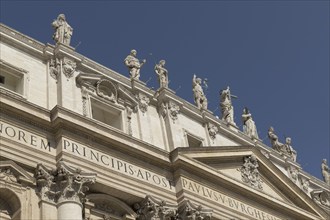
(62, 184)
(46, 186)
(151, 209)
(189, 211)
(72, 183)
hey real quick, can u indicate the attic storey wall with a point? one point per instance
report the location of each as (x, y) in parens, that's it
(36, 84)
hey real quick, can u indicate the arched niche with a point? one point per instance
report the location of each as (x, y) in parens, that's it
(107, 207)
(10, 205)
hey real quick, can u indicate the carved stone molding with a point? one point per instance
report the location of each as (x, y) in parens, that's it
(72, 183)
(7, 175)
(54, 68)
(321, 197)
(143, 103)
(151, 209)
(12, 173)
(129, 112)
(68, 67)
(46, 186)
(104, 205)
(171, 109)
(84, 94)
(250, 173)
(190, 211)
(293, 174)
(62, 184)
(305, 185)
(213, 130)
(107, 90)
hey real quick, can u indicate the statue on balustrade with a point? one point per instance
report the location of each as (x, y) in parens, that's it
(226, 106)
(199, 96)
(134, 65)
(162, 74)
(249, 127)
(284, 149)
(325, 171)
(63, 31)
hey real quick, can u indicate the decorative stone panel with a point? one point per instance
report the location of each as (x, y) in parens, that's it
(250, 173)
(151, 209)
(190, 211)
(62, 184)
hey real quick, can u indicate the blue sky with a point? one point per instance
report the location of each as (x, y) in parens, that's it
(274, 55)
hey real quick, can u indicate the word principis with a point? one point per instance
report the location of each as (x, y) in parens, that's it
(116, 164)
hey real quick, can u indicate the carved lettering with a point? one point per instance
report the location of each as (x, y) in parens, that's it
(226, 201)
(24, 137)
(115, 164)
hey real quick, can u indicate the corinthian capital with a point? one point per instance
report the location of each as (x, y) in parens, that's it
(190, 211)
(63, 184)
(46, 186)
(152, 209)
(72, 183)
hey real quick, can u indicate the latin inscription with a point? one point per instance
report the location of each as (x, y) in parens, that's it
(24, 137)
(116, 164)
(225, 200)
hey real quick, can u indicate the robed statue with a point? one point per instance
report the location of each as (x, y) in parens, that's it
(63, 31)
(134, 65)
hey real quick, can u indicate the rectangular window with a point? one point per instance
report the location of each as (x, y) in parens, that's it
(2, 79)
(194, 141)
(12, 78)
(106, 114)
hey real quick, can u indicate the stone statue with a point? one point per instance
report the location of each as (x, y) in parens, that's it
(200, 98)
(274, 139)
(226, 106)
(284, 149)
(134, 65)
(325, 171)
(288, 149)
(162, 74)
(249, 127)
(63, 31)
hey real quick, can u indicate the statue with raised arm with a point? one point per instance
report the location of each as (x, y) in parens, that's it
(199, 96)
(63, 31)
(162, 74)
(325, 171)
(134, 65)
(249, 127)
(226, 106)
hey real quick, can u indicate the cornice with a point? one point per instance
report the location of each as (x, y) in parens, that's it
(19, 108)
(21, 41)
(103, 134)
(182, 161)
